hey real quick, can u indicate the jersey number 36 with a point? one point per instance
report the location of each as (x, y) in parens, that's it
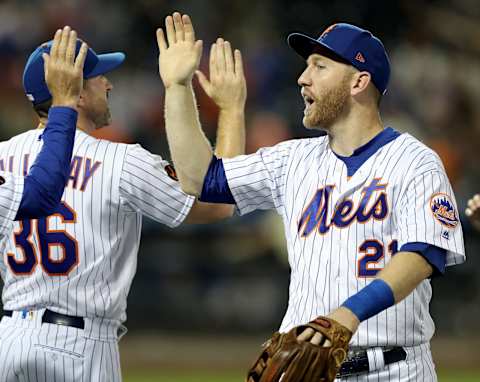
(47, 239)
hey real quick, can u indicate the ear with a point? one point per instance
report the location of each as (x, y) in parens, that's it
(360, 82)
(81, 99)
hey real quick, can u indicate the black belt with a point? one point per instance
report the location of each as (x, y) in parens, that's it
(50, 317)
(358, 363)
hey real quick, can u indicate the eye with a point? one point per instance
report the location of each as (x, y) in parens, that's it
(319, 65)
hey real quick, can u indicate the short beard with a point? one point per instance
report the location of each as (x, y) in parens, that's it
(328, 107)
(102, 119)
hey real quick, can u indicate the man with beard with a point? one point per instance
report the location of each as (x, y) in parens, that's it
(67, 276)
(369, 213)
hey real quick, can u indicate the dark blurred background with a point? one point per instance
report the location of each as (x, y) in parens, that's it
(231, 278)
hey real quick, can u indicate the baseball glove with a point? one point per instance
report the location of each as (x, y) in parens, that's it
(285, 359)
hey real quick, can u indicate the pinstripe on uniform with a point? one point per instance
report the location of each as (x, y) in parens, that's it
(111, 186)
(326, 259)
(11, 191)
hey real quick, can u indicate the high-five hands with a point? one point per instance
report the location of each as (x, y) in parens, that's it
(180, 53)
(64, 72)
(227, 86)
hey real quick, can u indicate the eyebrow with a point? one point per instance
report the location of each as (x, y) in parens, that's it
(313, 59)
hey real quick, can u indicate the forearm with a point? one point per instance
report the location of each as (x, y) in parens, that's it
(404, 272)
(190, 149)
(45, 182)
(230, 133)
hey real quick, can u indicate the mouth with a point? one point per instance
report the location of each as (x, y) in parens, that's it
(309, 101)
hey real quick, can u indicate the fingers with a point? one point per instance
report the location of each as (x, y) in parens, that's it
(204, 83)
(306, 335)
(71, 46)
(314, 337)
(223, 59)
(317, 338)
(473, 206)
(178, 28)
(212, 63)
(188, 28)
(82, 54)
(238, 63)
(56, 42)
(198, 49)
(170, 29)
(46, 60)
(220, 58)
(227, 49)
(162, 44)
(178, 25)
(62, 46)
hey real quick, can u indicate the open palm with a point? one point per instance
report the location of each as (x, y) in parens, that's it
(179, 53)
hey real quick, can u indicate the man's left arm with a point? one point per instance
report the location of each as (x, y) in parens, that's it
(403, 273)
(430, 238)
(227, 88)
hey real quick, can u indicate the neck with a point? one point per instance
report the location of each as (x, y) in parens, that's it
(354, 130)
(83, 124)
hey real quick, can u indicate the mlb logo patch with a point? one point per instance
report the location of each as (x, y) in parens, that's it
(443, 210)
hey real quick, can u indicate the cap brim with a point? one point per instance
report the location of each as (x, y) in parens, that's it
(106, 63)
(305, 45)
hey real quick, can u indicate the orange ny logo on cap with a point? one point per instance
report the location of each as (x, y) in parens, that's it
(324, 33)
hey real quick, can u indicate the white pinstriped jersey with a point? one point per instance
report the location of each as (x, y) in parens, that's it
(11, 190)
(81, 260)
(341, 230)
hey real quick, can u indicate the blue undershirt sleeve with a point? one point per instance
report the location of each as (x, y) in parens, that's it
(215, 186)
(44, 184)
(436, 256)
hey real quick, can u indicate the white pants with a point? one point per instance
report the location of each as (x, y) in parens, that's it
(418, 366)
(34, 352)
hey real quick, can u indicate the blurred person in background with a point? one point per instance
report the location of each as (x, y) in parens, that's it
(473, 211)
(65, 293)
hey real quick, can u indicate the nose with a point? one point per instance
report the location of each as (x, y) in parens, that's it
(304, 79)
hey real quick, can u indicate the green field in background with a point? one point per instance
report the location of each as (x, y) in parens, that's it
(202, 376)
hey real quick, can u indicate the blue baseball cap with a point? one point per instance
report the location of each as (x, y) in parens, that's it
(352, 44)
(34, 76)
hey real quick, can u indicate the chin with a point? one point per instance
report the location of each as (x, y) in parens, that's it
(311, 124)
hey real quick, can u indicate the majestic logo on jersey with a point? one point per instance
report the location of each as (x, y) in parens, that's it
(443, 210)
(314, 217)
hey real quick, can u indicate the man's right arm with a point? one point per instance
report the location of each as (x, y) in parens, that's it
(44, 184)
(191, 151)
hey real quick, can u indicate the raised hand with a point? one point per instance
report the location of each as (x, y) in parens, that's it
(179, 58)
(473, 211)
(64, 72)
(227, 86)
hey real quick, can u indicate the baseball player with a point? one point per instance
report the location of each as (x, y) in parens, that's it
(369, 213)
(67, 276)
(473, 211)
(39, 193)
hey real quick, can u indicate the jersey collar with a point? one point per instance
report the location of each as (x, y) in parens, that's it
(361, 154)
